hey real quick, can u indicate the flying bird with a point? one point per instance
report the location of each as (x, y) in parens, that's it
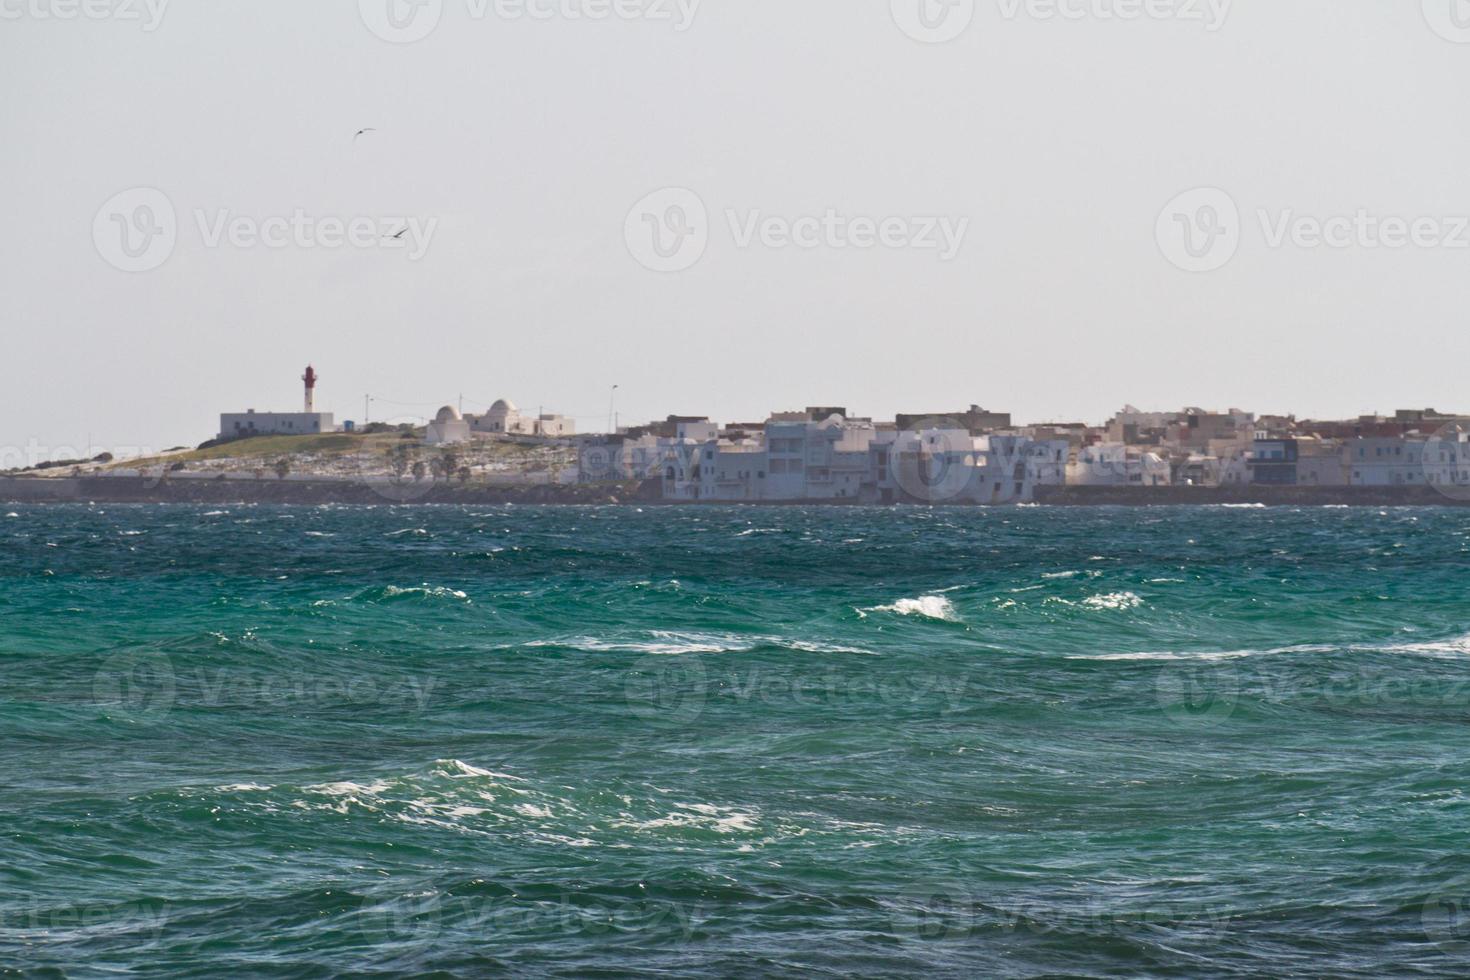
(401, 232)
(361, 132)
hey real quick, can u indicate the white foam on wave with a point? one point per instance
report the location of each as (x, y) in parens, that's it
(700, 816)
(669, 643)
(663, 643)
(1113, 600)
(928, 606)
(1456, 647)
(428, 591)
(1167, 656)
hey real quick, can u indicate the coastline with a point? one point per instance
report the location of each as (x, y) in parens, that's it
(149, 490)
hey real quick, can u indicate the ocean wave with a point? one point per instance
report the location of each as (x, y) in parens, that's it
(1458, 646)
(670, 643)
(1113, 600)
(1452, 648)
(658, 643)
(929, 607)
(394, 593)
(698, 816)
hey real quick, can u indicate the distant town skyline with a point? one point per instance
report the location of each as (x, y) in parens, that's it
(1047, 215)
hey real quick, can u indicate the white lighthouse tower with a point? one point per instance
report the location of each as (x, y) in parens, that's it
(310, 379)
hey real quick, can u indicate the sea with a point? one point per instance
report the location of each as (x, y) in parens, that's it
(686, 742)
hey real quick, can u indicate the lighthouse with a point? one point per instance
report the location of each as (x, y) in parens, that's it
(310, 379)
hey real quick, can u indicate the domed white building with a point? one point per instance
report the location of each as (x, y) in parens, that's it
(504, 419)
(448, 428)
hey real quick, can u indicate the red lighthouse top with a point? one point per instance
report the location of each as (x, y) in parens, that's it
(309, 377)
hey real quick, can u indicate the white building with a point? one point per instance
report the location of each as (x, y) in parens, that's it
(795, 458)
(448, 428)
(1446, 458)
(504, 419)
(244, 425)
(951, 466)
(1112, 464)
(1387, 461)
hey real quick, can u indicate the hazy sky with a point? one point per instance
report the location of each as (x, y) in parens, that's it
(524, 143)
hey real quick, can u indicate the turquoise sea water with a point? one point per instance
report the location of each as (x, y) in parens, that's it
(595, 742)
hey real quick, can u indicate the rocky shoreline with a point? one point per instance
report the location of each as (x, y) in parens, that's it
(152, 490)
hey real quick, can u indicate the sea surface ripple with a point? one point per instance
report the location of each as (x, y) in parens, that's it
(300, 742)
